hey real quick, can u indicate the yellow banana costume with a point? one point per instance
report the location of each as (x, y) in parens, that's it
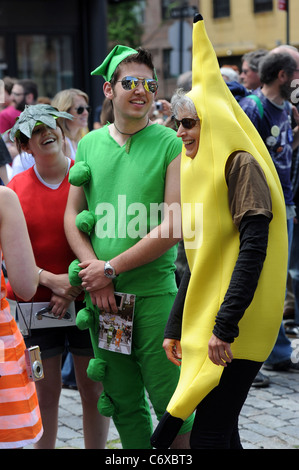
(224, 129)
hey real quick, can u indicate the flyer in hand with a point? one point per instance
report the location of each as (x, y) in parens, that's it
(115, 332)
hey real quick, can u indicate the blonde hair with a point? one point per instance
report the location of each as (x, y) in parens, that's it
(63, 101)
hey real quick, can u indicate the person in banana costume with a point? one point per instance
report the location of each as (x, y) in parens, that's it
(226, 317)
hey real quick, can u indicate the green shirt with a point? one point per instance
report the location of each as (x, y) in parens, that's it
(124, 193)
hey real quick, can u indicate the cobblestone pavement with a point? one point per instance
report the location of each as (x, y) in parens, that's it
(269, 418)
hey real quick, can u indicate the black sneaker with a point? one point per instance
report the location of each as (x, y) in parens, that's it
(291, 329)
(261, 381)
(294, 367)
(283, 366)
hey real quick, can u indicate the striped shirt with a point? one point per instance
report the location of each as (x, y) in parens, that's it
(20, 419)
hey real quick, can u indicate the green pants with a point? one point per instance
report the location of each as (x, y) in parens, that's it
(127, 377)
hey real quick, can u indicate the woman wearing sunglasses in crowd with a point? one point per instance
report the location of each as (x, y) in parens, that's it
(250, 210)
(43, 191)
(75, 102)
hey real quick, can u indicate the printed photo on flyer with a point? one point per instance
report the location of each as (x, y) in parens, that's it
(115, 331)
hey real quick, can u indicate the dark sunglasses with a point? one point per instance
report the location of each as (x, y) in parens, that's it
(81, 109)
(187, 123)
(129, 83)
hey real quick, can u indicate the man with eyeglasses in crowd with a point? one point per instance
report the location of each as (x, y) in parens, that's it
(250, 69)
(249, 76)
(138, 160)
(23, 92)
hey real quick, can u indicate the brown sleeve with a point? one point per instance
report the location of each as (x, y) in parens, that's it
(248, 190)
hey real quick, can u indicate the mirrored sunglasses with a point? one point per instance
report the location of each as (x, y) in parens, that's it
(129, 83)
(81, 109)
(187, 123)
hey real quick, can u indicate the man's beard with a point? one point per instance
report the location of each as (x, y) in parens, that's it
(21, 106)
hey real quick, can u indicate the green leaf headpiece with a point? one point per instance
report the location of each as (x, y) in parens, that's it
(34, 115)
(113, 59)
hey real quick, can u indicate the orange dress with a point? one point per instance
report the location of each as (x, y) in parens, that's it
(20, 419)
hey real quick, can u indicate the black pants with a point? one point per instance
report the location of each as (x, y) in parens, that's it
(216, 421)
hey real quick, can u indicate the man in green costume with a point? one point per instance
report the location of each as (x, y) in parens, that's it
(123, 173)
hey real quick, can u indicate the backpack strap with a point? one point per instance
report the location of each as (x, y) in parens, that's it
(258, 103)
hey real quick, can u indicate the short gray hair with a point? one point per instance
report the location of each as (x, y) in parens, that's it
(181, 100)
(253, 58)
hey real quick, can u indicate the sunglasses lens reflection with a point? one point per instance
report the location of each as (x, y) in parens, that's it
(152, 85)
(129, 83)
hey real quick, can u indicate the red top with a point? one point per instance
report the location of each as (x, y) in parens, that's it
(44, 212)
(8, 118)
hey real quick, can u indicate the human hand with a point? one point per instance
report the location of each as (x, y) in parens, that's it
(166, 107)
(173, 350)
(92, 275)
(59, 305)
(104, 298)
(219, 352)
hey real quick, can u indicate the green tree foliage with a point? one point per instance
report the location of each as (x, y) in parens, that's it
(124, 26)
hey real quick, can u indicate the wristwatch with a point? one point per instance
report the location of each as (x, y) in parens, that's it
(109, 271)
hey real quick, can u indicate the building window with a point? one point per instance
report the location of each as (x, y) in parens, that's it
(47, 60)
(221, 8)
(263, 5)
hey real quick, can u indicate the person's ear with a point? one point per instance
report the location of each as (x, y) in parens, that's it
(108, 91)
(282, 76)
(26, 148)
(29, 98)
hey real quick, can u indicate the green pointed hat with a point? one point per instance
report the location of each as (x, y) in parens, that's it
(113, 59)
(34, 115)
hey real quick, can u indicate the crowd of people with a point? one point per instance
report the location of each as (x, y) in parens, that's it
(76, 227)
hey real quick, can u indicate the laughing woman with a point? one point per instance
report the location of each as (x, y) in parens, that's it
(43, 191)
(223, 329)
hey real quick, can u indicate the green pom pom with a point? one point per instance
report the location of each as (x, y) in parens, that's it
(105, 405)
(85, 221)
(79, 174)
(84, 319)
(96, 369)
(74, 270)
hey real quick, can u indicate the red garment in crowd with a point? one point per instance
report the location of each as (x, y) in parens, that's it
(8, 118)
(44, 213)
